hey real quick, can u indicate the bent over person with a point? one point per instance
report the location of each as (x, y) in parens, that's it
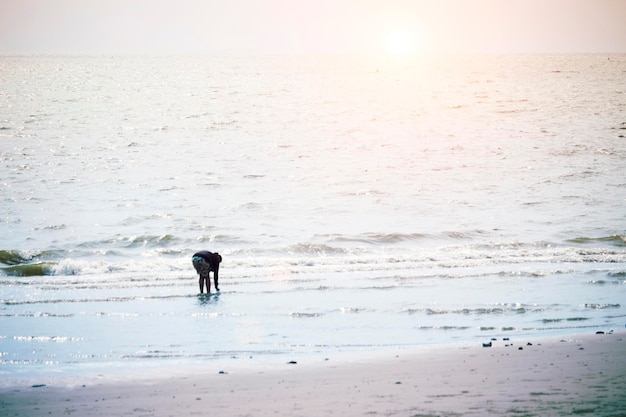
(205, 262)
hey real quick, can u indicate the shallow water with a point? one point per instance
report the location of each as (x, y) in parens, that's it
(359, 204)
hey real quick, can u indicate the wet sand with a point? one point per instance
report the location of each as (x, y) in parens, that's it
(577, 375)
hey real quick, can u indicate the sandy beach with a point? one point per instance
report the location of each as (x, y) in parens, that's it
(577, 375)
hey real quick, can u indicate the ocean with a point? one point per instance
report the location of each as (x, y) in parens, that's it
(360, 204)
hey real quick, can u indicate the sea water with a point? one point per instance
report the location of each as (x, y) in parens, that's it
(359, 203)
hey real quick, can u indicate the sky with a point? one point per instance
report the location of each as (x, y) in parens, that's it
(312, 26)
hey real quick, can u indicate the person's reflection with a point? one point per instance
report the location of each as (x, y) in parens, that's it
(208, 299)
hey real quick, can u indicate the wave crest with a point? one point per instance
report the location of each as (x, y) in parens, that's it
(615, 240)
(391, 238)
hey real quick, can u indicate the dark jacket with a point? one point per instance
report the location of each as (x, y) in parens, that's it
(213, 259)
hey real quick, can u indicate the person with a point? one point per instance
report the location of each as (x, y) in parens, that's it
(204, 262)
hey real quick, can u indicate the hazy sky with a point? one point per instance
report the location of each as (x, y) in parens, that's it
(360, 26)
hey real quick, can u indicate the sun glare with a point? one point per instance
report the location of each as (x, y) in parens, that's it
(401, 42)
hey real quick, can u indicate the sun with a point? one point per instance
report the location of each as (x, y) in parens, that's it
(400, 41)
(403, 36)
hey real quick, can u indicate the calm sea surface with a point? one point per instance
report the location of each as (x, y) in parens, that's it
(359, 203)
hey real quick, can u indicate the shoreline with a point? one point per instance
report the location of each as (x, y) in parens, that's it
(582, 374)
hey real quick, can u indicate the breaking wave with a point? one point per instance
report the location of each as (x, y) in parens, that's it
(615, 240)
